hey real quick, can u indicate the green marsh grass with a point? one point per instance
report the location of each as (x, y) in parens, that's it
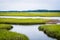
(5, 34)
(22, 21)
(8, 35)
(5, 26)
(52, 30)
(42, 14)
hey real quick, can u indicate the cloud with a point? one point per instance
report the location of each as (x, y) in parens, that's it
(29, 4)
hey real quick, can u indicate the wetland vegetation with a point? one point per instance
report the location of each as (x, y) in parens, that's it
(5, 34)
(52, 30)
(23, 21)
(8, 35)
(41, 14)
(5, 26)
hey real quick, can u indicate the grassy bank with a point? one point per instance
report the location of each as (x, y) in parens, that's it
(43, 14)
(22, 21)
(51, 30)
(8, 35)
(5, 26)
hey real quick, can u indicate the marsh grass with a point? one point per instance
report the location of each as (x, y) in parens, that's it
(8, 35)
(5, 34)
(5, 26)
(22, 21)
(52, 30)
(41, 14)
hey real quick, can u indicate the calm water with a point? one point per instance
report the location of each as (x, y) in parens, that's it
(31, 31)
(30, 17)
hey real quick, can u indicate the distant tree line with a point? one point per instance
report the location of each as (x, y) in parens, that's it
(42, 11)
(34, 11)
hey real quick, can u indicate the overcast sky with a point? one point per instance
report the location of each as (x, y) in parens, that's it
(29, 4)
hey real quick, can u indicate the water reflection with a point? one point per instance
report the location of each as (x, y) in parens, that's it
(31, 31)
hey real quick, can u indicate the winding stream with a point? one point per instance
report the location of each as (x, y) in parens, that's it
(31, 31)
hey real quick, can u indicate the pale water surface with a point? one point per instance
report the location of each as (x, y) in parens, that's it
(31, 31)
(18, 17)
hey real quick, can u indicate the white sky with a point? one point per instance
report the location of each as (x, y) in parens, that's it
(29, 4)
